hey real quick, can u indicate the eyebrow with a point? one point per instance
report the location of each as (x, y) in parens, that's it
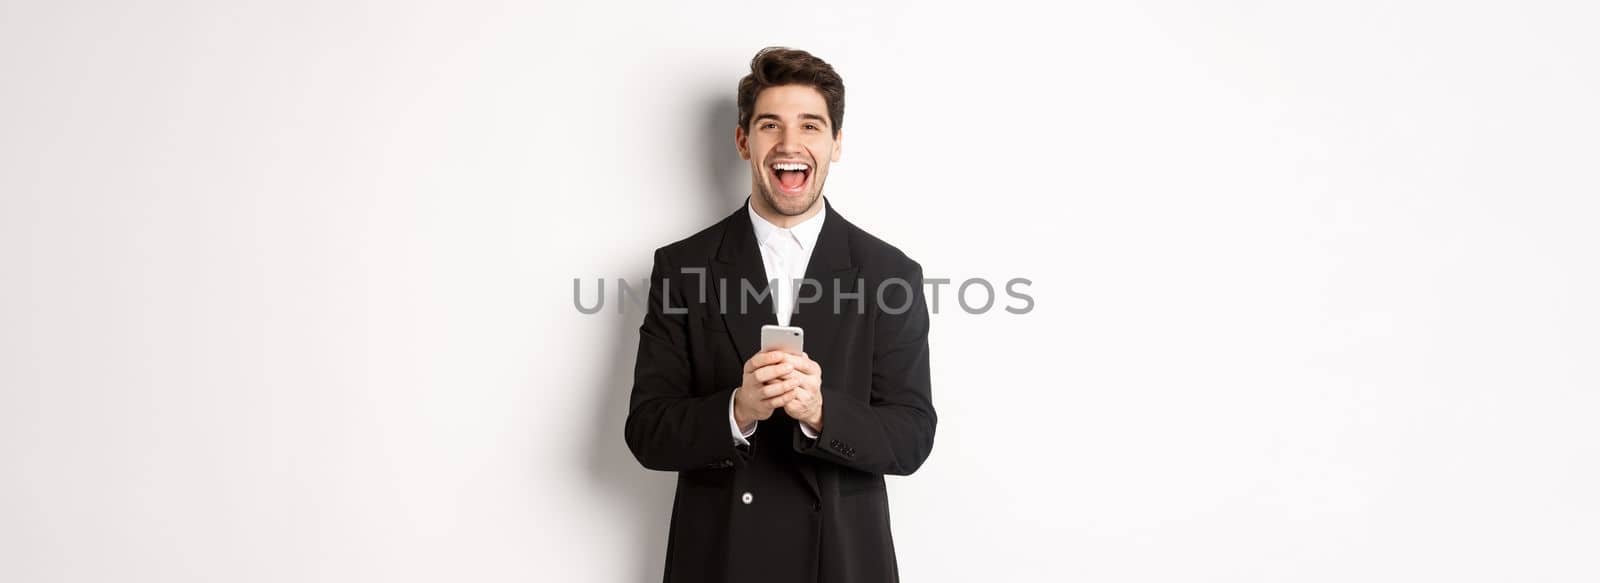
(774, 117)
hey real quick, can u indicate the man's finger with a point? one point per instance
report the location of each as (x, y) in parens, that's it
(778, 401)
(776, 389)
(762, 359)
(802, 363)
(769, 372)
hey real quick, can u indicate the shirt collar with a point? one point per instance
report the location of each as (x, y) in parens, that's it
(806, 232)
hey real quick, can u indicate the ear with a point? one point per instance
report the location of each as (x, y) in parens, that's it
(741, 141)
(838, 146)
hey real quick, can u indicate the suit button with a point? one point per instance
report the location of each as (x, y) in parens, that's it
(816, 507)
(747, 498)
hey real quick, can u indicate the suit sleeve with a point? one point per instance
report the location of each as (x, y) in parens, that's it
(893, 432)
(670, 427)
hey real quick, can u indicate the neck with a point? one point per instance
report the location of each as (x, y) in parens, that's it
(783, 221)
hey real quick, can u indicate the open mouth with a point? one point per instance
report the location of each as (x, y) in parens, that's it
(791, 178)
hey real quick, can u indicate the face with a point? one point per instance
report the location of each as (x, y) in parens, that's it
(789, 144)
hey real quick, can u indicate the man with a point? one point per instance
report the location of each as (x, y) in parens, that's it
(781, 457)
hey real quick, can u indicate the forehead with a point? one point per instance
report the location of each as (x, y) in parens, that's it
(790, 100)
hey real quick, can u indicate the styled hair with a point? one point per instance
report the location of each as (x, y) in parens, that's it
(775, 66)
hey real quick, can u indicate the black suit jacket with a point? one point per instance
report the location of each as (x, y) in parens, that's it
(816, 510)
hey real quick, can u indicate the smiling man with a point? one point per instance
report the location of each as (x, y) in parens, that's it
(781, 457)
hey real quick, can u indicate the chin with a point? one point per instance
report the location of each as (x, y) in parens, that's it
(792, 205)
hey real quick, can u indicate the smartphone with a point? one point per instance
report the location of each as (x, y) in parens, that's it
(789, 339)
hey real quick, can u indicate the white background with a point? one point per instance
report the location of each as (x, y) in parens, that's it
(287, 286)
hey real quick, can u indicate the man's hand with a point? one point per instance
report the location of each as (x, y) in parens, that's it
(774, 380)
(804, 401)
(763, 388)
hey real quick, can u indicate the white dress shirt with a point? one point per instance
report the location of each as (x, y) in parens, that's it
(785, 254)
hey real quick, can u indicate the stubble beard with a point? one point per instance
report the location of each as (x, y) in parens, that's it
(778, 205)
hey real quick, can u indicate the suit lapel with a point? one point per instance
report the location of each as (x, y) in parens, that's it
(831, 270)
(738, 263)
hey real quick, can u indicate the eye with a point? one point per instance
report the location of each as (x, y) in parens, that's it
(812, 127)
(768, 125)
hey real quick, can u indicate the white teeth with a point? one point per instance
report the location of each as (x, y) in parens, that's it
(790, 167)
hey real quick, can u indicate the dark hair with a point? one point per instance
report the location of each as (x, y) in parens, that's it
(775, 66)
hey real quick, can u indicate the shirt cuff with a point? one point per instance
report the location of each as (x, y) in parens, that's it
(739, 437)
(806, 429)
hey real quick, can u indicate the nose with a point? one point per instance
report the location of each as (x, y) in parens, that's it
(790, 144)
